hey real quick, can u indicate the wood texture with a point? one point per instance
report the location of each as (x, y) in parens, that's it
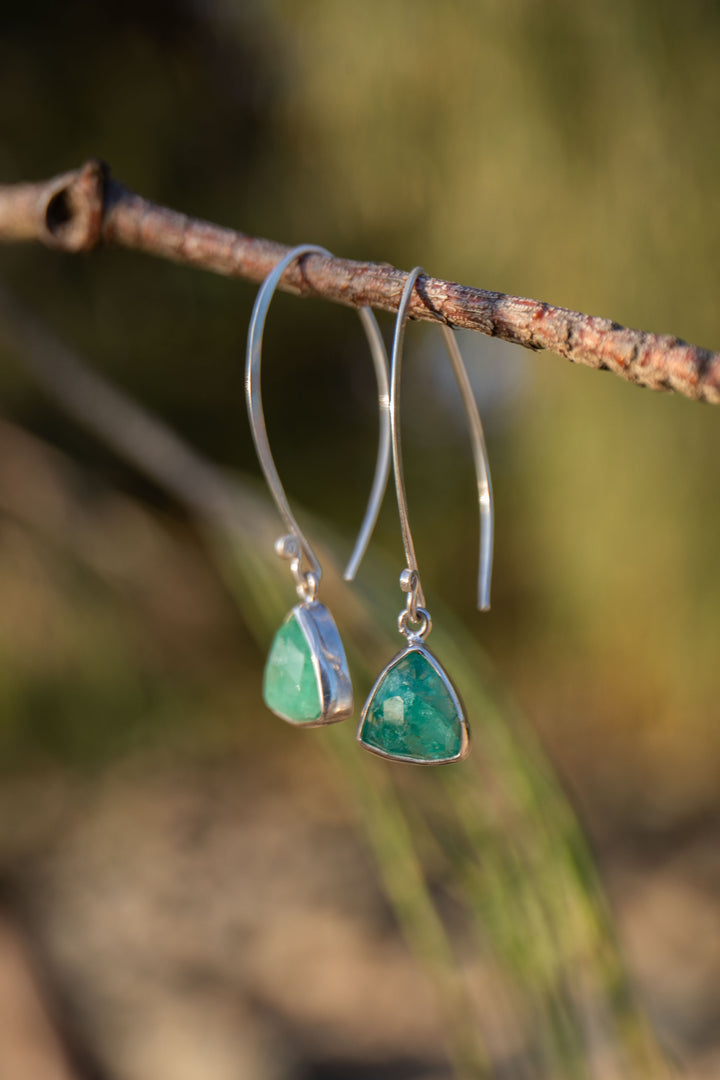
(81, 210)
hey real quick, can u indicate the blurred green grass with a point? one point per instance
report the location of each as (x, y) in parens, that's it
(549, 149)
(555, 150)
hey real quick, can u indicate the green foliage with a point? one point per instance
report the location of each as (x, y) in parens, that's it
(548, 149)
(482, 860)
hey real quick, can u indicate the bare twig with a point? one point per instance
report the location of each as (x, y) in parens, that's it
(80, 210)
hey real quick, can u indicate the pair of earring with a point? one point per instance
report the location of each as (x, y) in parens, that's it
(414, 712)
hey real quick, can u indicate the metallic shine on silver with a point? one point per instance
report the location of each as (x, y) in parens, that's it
(415, 644)
(414, 621)
(479, 449)
(329, 663)
(297, 547)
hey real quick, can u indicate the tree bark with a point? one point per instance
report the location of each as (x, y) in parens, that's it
(81, 210)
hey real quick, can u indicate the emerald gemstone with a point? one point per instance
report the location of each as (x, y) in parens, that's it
(290, 685)
(413, 714)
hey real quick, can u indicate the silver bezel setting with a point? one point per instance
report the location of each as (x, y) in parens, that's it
(329, 664)
(416, 645)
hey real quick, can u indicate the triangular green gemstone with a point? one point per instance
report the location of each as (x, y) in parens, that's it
(290, 685)
(412, 714)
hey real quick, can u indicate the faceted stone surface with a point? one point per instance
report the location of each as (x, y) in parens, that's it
(412, 713)
(290, 686)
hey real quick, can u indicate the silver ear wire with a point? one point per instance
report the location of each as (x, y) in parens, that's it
(382, 464)
(482, 470)
(310, 577)
(416, 598)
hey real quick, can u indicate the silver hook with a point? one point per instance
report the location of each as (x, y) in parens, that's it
(410, 578)
(297, 545)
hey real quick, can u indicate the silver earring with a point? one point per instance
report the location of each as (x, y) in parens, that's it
(306, 679)
(414, 712)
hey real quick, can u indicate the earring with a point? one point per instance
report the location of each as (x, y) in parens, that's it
(414, 712)
(306, 678)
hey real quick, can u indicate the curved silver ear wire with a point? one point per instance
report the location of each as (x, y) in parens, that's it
(382, 465)
(296, 546)
(410, 579)
(482, 470)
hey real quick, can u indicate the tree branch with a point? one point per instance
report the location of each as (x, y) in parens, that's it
(81, 210)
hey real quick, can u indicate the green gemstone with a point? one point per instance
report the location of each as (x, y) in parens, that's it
(290, 685)
(412, 713)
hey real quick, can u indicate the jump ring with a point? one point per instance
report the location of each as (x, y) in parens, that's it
(423, 619)
(307, 585)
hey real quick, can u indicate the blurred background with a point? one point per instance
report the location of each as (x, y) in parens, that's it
(190, 888)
